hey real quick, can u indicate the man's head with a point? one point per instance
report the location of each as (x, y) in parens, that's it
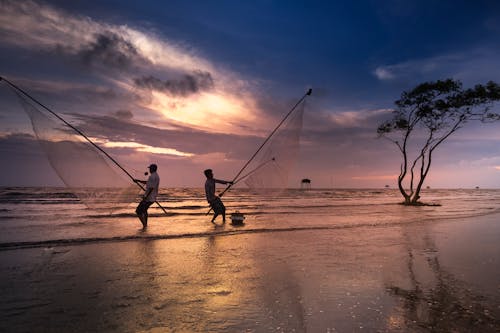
(152, 168)
(208, 173)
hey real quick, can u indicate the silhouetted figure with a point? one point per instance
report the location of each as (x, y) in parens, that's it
(305, 184)
(149, 197)
(214, 200)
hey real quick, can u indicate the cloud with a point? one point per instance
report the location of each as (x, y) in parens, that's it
(186, 89)
(110, 50)
(124, 114)
(417, 68)
(147, 149)
(384, 73)
(186, 85)
(479, 64)
(359, 118)
(42, 26)
(123, 133)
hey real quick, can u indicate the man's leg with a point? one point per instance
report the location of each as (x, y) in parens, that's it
(141, 212)
(223, 209)
(144, 219)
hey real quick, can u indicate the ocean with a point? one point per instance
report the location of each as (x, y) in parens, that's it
(321, 260)
(45, 216)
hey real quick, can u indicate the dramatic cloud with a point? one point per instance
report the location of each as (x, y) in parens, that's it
(180, 141)
(111, 50)
(185, 89)
(38, 26)
(152, 90)
(186, 85)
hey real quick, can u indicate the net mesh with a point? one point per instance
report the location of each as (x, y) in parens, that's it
(86, 171)
(274, 163)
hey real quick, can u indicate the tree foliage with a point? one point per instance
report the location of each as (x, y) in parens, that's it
(425, 117)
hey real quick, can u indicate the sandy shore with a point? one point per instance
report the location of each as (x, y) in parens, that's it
(431, 276)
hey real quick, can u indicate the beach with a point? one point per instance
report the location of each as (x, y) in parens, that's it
(427, 275)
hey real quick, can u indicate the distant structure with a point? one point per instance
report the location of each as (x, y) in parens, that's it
(305, 184)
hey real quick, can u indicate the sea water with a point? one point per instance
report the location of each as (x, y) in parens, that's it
(326, 260)
(32, 216)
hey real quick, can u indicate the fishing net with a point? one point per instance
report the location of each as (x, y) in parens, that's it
(274, 162)
(85, 170)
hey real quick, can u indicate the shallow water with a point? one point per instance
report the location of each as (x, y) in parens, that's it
(47, 216)
(305, 261)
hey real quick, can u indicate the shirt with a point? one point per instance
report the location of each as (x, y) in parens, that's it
(152, 183)
(210, 188)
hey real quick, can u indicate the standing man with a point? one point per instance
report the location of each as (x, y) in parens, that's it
(152, 185)
(214, 200)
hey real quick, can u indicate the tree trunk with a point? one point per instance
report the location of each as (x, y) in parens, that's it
(403, 192)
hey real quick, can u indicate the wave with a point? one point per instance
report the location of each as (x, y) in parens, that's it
(93, 240)
(238, 230)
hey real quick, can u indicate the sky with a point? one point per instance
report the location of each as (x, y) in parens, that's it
(191, 85)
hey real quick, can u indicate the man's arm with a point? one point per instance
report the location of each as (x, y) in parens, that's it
(148, 190)
(223, 181)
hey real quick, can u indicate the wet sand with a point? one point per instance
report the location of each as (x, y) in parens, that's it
(432, 276)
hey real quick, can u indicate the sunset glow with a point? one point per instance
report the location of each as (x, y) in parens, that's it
(193, 83)
(207, 111)
(249, 166)
(147, 149)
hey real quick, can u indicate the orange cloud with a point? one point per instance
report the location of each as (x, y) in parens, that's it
(212, 111)
(145, 148)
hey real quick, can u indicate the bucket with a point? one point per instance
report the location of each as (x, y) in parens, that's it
(237, 218)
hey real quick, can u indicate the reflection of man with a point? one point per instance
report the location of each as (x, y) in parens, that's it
(152, 185)
(214, 200)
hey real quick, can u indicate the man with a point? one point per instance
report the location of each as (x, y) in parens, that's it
(214, 201)
(152, 186)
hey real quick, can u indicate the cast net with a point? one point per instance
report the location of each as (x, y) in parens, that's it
(271, 167)
(86, 171)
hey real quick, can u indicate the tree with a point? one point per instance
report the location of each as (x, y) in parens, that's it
(428, 115)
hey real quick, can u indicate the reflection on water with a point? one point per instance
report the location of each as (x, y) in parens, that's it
(344, 261)
(435, 299)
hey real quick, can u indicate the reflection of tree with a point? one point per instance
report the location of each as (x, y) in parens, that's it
(447, 304)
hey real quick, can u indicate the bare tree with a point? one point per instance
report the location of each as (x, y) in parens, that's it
(425, 117)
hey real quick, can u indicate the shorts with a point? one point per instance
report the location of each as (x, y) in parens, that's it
(218, 206)
(143, 207)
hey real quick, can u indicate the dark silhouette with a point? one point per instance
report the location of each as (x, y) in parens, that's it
(214, 200)
(152, 186)
(305, 183)
(435, 110)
